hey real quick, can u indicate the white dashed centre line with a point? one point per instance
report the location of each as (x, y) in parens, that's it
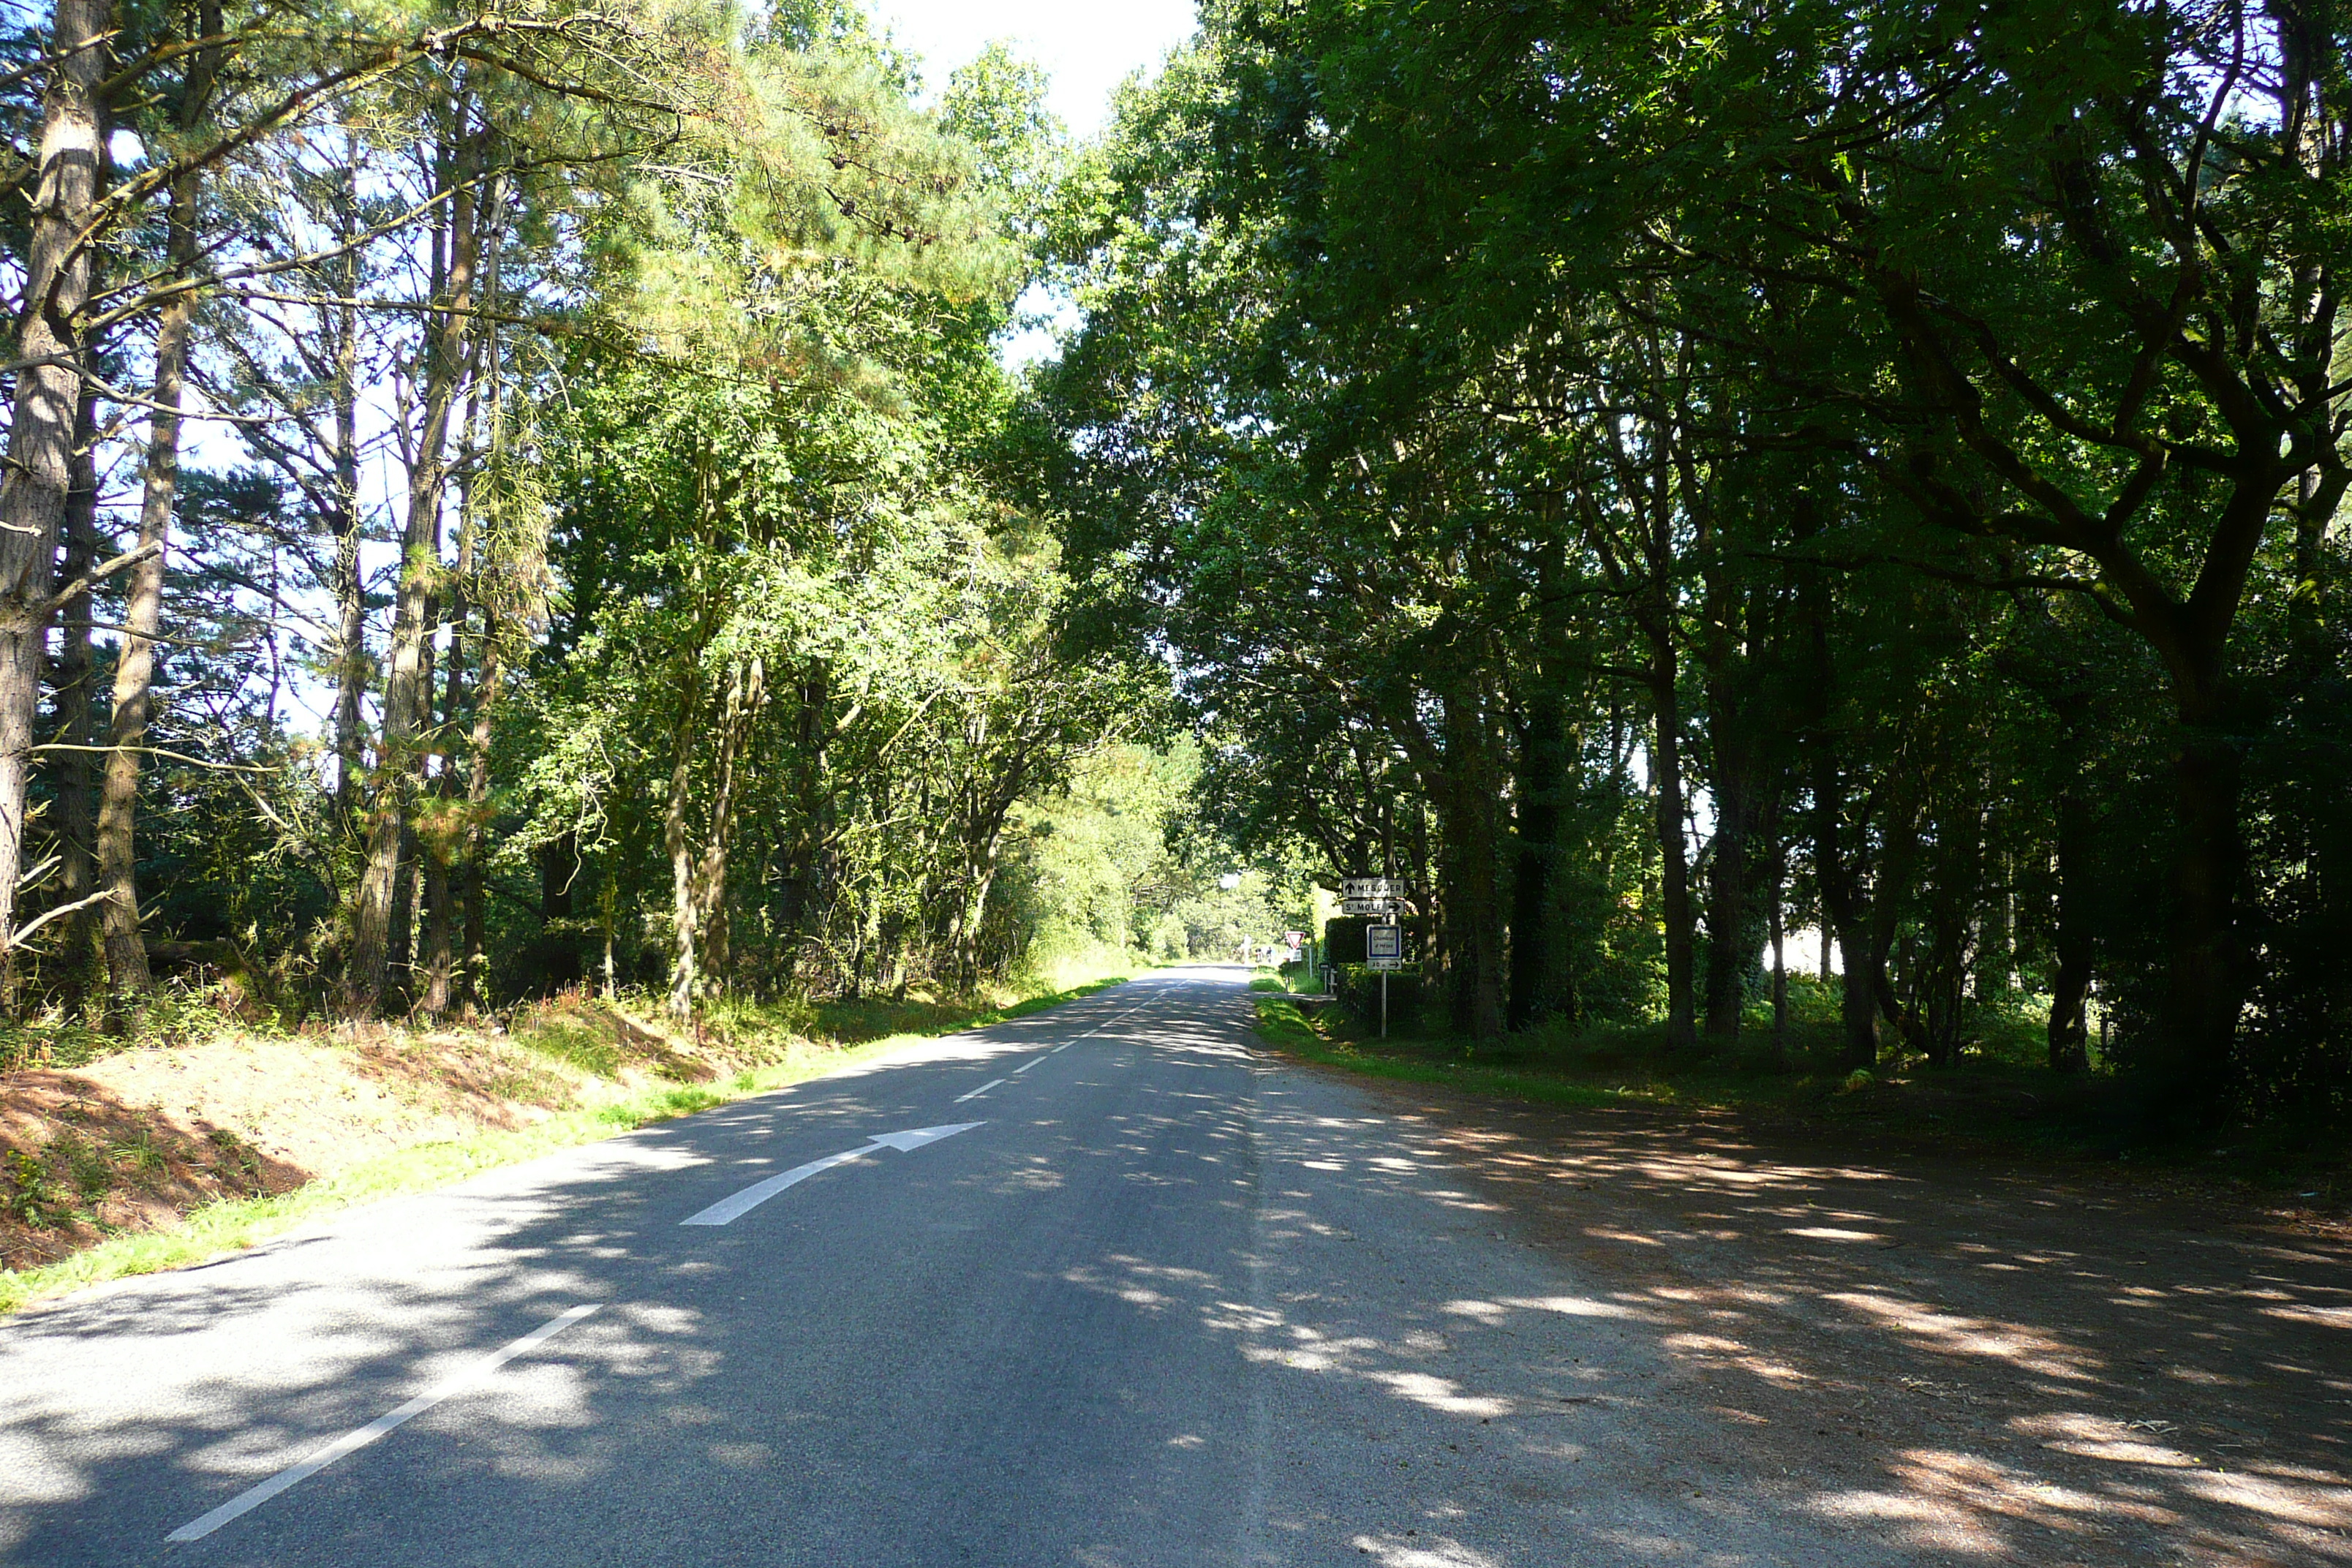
(984, 1089)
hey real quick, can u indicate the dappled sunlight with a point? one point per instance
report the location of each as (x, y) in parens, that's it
(1553, 1339)
(1970, 1370)
(313, 1335)
(1390, 1552)
(2011, 1343)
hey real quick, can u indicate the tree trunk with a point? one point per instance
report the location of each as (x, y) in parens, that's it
(471, 986)
(134, 666)
(1776, 915)
(1674, 885)
(805, 856)
(40, 466)
(1728, 952)
(406, 689)
(608, 920)
(746, 694)
(413, 879)
(677, 843)
(1471, 911)
(447, 836)
(77, 830)
(679, 848)
(2070, 988)
(348, 587)
(1535, 801)
(2193, 1064)
(1842, 914)
(440, 945)
(400, 950)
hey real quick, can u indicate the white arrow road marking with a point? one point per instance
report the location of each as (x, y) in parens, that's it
(916, 1137)
(245, 1501)
(740, 1204)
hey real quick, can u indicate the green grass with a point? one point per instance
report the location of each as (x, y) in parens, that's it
(233, 1224)
(1281, 1024)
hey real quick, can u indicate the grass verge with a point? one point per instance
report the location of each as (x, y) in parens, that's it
(232, 1225)
(1282, 1025)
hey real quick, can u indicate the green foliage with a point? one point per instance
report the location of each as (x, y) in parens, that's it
(1642, 479)
(739, 657)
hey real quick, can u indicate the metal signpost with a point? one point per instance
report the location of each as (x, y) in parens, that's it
(1384, 951)
(1384, 943)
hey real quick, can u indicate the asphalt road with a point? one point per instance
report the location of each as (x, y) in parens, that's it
(1167, 1302)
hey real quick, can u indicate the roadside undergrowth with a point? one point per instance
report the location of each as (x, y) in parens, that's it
(1280, 1024)
(1987, 1109)
(166, 1154)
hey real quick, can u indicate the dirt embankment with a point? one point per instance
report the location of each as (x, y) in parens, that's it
(134, 1140)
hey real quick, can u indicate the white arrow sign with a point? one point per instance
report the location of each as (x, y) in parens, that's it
(737, 1205)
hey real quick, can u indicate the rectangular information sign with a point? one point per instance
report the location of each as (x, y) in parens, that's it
(1376, 888)
(1384, 946)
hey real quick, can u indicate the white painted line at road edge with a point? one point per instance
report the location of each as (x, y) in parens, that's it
(253, 1497)
(984, 1089)
(736, 1206)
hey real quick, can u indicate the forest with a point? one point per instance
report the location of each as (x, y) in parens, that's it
(1660, 479)
(510, 498)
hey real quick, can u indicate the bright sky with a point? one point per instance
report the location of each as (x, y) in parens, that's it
(1087, 46)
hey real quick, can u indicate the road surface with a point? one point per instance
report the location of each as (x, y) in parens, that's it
(1101, 1285)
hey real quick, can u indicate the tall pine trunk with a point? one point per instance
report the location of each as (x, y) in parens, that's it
(73, 777)
(407, 695)
(677, 843)
(40, 466)
(471, 990)
(134, 665)
(348, 587)
(447, 838)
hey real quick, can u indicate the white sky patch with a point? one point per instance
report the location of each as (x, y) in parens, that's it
(1089, 47)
